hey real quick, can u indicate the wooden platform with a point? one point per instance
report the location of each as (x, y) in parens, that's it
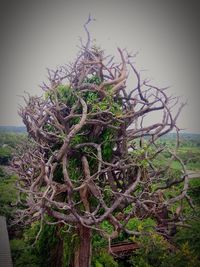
(124, 248)
(5, 255)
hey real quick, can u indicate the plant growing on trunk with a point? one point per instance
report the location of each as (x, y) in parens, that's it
(92, 148)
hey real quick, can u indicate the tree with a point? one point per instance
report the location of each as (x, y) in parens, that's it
(5, 155)
(92, 150)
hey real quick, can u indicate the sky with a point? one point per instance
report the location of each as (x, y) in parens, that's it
(40, 34)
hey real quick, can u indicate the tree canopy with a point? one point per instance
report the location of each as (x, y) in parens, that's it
(92, 150)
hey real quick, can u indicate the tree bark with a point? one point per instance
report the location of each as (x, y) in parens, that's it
(82, 257)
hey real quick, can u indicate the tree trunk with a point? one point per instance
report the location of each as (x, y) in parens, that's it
(56, 259)
(83, 253)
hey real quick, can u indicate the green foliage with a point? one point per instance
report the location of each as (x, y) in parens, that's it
(58, 175)
(91, 97)
(63, 93)
(107, 103)
(68, 251)
(116, 109)
(191, 236)
(3, 174)
(8, 141)
(66, 94)
(94, 80)
(11, 139)
(140, 154)
(136, 224)
(98, 242)
(47, 241)
(108, 144)
(73, 169)
(40, 255)
(107, 151)
(49, 128)
(108, 194)
(104, 260)
(155, 251)
(22, 255)
(194, 190)
(191, 156)
(188, 151)
(5, 155)
(106, 226)
(184, 257)
(8, 195)
(70, 242)
(188, 239)
(128, 209)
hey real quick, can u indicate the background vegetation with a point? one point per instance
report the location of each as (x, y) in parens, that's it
(181, 250)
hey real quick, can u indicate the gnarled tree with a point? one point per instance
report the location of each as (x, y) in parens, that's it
(92, 150)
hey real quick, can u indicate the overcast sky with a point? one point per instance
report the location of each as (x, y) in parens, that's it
(40, 34)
